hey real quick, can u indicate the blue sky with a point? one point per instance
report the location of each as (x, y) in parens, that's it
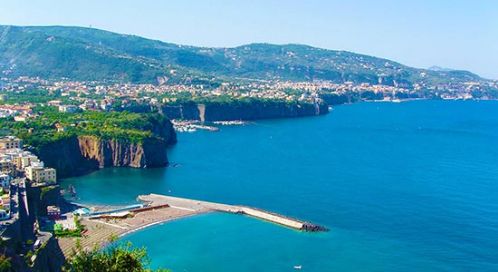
(460, 34)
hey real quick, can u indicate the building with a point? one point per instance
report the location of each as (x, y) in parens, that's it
(20, 118)
(5, 207)
(7, 167)
(4, 215)
(40, 174)
(54, 103)
(59, 127)
(5, 181)
(24, 159)
(68, 108)
(10, 142)
(53, 212)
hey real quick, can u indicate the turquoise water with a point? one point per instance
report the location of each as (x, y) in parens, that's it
(403, 187)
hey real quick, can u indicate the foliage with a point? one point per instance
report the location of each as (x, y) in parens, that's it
(45, 190)
(123, 126)
(116, 258)
(28, 257)
(5, 263)
(34, 96)
(91, 54)
(59, 232)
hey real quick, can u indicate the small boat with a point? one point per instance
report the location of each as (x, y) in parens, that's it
(298, 267)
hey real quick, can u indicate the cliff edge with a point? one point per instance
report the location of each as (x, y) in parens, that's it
(82, 154)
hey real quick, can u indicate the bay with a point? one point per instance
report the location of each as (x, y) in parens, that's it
(409, 186)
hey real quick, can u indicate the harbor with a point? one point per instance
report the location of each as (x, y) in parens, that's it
(204, 206)
(156, 209)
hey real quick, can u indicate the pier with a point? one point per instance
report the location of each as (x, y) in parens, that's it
(204, 206)
(156, 209)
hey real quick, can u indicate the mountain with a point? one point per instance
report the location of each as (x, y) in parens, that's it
(439, 69)
(90, 54)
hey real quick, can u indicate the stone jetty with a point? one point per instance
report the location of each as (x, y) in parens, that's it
(198, 206)
(158, 209)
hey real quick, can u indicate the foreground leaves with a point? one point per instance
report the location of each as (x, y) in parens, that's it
(116, 258)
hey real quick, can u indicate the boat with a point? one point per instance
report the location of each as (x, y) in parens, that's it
(298, 267)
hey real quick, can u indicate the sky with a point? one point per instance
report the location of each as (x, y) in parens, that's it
(458, 34)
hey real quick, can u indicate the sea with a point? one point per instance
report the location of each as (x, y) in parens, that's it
(409, 186)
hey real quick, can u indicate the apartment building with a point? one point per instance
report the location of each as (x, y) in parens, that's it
(40, 174)
(10, 142)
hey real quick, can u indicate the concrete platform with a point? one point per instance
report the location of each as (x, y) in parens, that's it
(204, 206)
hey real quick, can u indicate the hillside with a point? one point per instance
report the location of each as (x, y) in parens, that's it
(91, 54)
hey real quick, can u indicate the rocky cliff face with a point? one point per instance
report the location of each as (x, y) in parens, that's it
(261, 110)
(80, 155)
(242, 111)
(115, 153)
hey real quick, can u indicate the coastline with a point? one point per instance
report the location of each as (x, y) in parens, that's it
(121, 235)
(161, 209)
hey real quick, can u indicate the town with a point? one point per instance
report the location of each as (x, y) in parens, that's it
(73, 96)
(33, 212)
(23, 176)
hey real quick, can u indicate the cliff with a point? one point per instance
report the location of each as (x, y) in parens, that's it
(116, 153)
(49, 258)
(83, 154)
(235, 110)
(352, 97)
(79, 155)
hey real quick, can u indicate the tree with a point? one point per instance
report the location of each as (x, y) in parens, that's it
(116, 258)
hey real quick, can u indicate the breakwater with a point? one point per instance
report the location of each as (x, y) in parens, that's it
(204, 206)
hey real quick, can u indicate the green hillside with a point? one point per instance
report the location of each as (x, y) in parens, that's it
(91, 54)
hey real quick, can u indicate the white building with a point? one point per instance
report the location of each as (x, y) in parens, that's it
(25, 159)
(68, 108)
(38, 173)
(10, 142)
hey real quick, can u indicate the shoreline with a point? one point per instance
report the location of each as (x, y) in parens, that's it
(122, 235)
(161, 209)
(180, 215)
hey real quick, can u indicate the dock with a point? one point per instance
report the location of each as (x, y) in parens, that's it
(205, 206)
(157, 209)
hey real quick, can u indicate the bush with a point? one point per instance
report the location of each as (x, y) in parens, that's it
(116, 258)
(5, 264)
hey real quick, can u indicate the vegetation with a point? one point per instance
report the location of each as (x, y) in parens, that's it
(115, 258)
(5, 264)
(53, 126)
(60, 232)
(34, 96)
(45, 190)
(91, 54)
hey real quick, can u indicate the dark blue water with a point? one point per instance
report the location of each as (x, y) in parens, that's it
(403, 187)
